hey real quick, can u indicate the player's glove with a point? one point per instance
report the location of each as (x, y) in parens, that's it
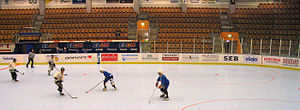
(49, 63)
(54, 65)
(156, 84)
(160, 86)
(16, 70)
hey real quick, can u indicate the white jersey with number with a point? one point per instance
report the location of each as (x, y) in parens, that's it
(51, 61)
(12, 67)
(58, 76)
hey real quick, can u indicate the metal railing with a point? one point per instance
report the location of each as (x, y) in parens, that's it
(274, 47)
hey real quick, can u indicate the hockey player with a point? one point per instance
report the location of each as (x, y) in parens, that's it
(30, 58)
(108, 77)
(59, 78)
(51, 64)
(13, 70)
(163, 86)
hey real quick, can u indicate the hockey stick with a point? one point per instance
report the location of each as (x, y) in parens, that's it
(73, 97)
(152, 95)
(22, 73)
(94, 87)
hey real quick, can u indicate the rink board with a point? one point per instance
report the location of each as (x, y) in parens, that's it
(159, 58)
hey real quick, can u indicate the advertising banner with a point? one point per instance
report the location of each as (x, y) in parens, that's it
(94, 47)
(43, 58)
(190, 58)
(173, 1)
(129, 57)
(291, 62)
(152, 57)
(98, 1)
(55, 2)
(252, 59)
(75, 58)
(271, 60)
(20, 1)
(210, 58)
(195, 1)
(170, 57)
(79, 1)
(7, 48)
(231, 58)
(21, 58)
(109, 57)
(208, 1)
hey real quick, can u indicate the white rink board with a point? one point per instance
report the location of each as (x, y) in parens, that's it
(210, 58)
(150, 57)
(128, 57)
(251, 59)
(21, 58)
(189, 57)
(157, 57)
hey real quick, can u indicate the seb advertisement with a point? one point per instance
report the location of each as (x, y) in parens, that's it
(270, 60)
(231, 58)
(109, 57)
(129, 57)
(189, 58)
(252, 59)
(170, 57)
(150, 57)
(291, 62)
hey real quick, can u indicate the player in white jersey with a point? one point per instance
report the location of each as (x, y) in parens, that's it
(59, 78)
(13, 70)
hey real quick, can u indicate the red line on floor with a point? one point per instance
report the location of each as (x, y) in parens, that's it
(6, 68)
(221, 100)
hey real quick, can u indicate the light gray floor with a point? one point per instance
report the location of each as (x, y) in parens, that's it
(192, 87)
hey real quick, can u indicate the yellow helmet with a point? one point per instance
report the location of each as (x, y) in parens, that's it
(159, 71)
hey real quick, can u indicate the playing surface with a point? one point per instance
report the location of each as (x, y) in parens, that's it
(192, 87)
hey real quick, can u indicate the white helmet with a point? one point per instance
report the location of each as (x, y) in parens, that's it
(101, 69)
(159, 71)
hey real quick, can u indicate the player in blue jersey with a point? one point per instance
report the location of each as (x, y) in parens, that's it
(108, 77)
(163, 86)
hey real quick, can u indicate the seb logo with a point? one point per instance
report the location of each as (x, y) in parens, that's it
(231, 58)
(251, 59)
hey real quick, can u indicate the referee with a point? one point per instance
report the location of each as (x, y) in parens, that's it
(30, 58)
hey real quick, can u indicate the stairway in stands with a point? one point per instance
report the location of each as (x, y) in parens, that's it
(31, 33)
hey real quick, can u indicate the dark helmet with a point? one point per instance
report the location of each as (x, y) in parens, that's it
(62, 69)
(14, 59)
